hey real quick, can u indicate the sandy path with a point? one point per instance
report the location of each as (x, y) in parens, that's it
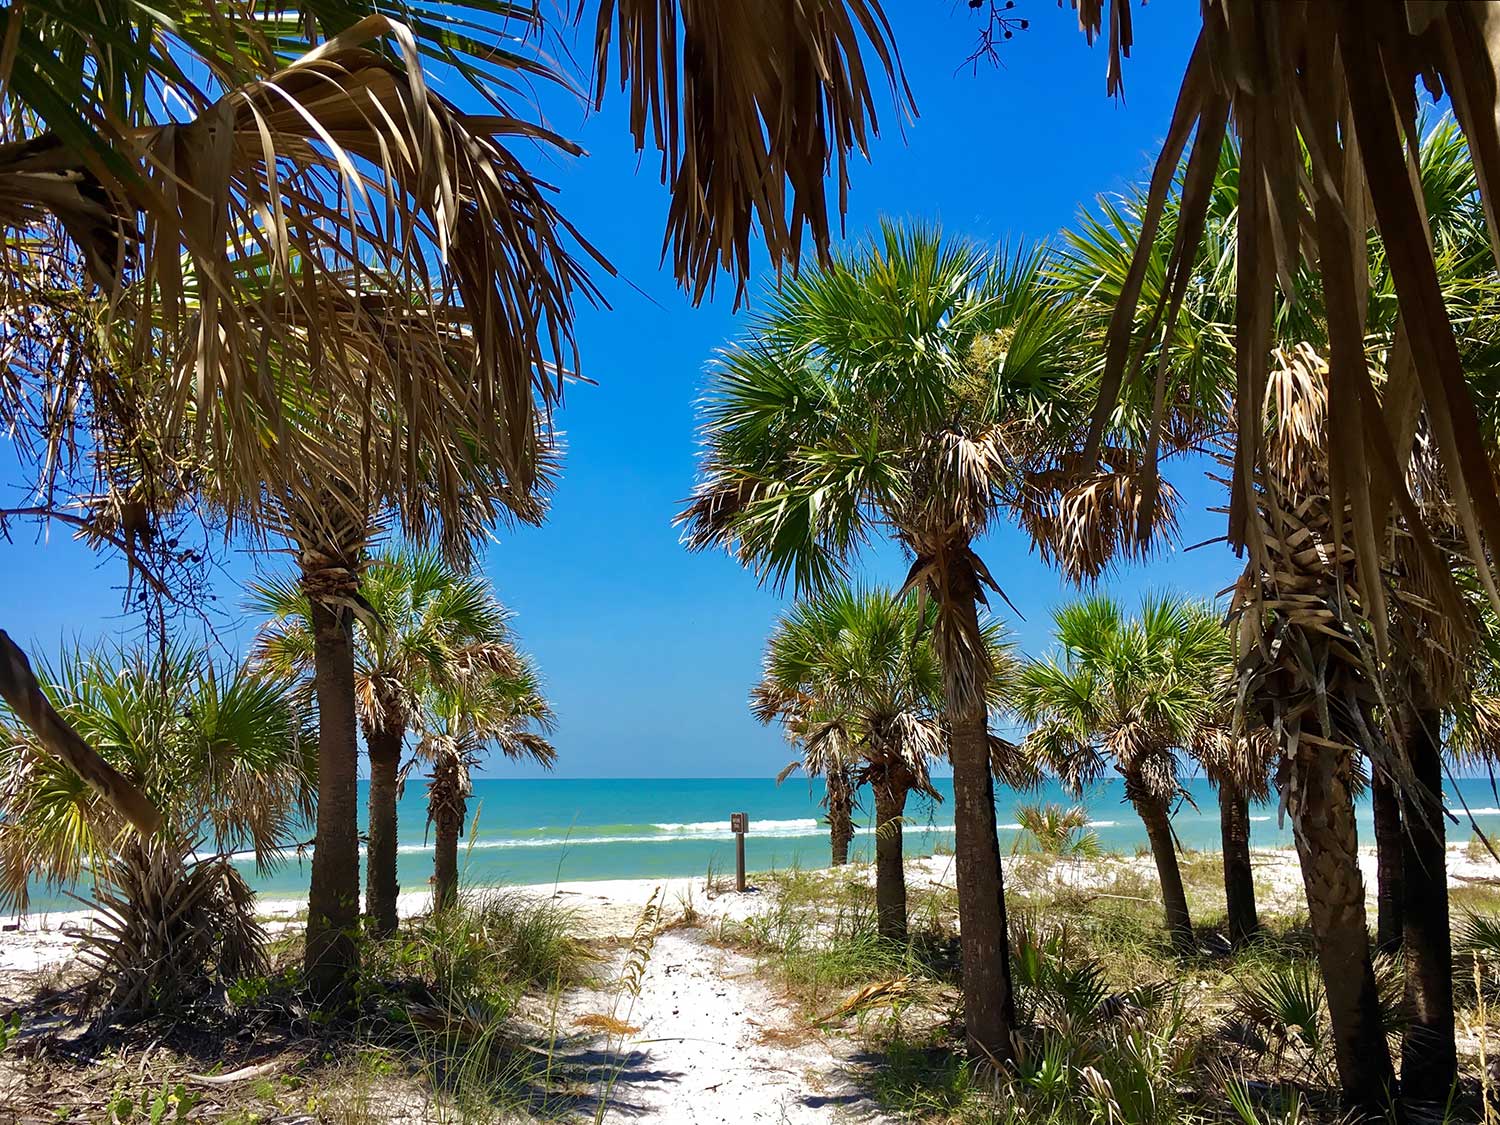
(714, 1045)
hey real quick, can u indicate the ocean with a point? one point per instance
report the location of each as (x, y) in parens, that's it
(554, 830)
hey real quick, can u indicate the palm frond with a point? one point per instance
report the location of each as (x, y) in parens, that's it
(749, 105)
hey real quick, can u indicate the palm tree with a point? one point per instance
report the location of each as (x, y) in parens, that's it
(911, 385)
(1128, 694)
(426, 623)
(854, 668)
(496, 703)
(1429, 631)
(222, 753)
(1304, 668)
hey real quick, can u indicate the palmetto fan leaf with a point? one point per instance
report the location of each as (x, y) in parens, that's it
(1127, 694)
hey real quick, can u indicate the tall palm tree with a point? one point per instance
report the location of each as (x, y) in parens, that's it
(221, 752)
(855, 668)
(1302, 653)
(1238, 764)
(496, 704)
(1129, 694)
(1422, 672)
(426, 623)
(911, 385)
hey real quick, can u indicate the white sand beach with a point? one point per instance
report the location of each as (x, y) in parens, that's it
(708, 1040)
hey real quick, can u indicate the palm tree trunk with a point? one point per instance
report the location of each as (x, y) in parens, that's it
(448, 821)
(1154, 815)
(1429, 1061)
(1239, 877)
(890, 871)
(984, 939)
(382, 887)
(1316, 785)
(21, 691)
(1389, 846)
(331, 954)
(840, 816)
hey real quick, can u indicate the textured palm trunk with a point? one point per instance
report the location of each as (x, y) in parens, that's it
(1317, 789)
(1390, 843)
(1154, 815)
(382, 887)
(840, 816)
(984, 939)
(332, 955)
(1429, 1061)
(1239, 877)
(890, 869)
(447, 822)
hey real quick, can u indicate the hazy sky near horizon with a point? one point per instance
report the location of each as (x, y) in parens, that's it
(649, 651)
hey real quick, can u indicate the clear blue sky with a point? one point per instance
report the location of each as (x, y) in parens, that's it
(649, 651)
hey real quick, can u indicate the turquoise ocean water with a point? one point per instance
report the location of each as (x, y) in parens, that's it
(551, 830)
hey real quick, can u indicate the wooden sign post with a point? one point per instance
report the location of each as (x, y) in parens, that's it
(739, 824)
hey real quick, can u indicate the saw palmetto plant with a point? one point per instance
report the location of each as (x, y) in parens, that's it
(1129, 694)
(1052, 830)
(852, 675)
(495, 705)
(221, 752)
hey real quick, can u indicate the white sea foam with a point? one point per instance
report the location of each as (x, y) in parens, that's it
(786, 830)
(762, 827)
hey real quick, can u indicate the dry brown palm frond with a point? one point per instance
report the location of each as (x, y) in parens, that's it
(1087, 520)
(1307, 664)
(347, 221)
(878, 994)
(750, 105)
(1323, 99)
(1239, 760)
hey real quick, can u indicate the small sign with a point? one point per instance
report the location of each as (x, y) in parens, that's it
(739, 822)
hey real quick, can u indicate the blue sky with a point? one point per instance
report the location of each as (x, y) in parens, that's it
(649, 651)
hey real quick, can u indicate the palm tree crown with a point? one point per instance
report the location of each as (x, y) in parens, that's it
(427, 624)
(1125, 692)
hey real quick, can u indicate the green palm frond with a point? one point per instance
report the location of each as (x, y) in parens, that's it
(852, 676)
(222, 752)
(1128, 693)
